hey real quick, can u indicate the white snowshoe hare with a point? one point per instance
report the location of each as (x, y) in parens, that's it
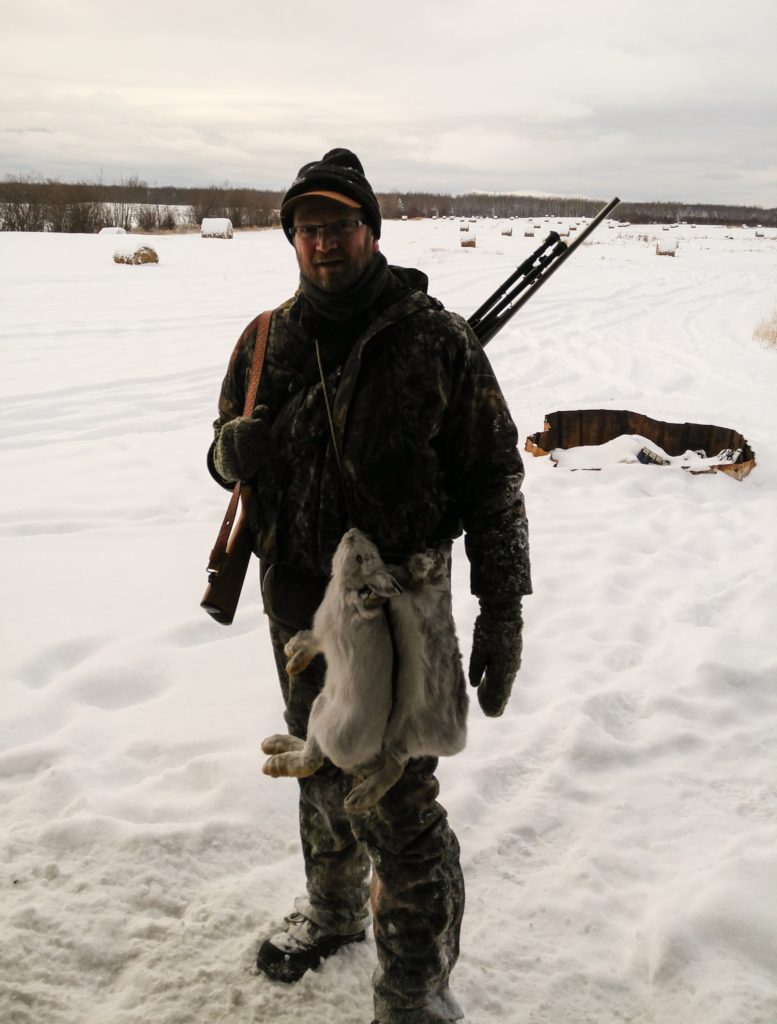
(360, 721)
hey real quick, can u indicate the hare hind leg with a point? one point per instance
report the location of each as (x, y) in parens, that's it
(374, 786)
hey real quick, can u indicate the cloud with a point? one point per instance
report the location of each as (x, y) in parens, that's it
(439, 95)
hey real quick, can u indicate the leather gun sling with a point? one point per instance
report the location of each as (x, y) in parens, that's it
(219, 551)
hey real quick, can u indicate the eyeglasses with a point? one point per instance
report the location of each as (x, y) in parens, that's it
(335, 229)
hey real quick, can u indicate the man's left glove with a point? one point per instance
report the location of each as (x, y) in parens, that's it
(497, 645)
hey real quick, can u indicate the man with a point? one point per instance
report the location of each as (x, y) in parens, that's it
(419, 447)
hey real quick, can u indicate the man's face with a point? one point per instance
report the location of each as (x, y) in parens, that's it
(332, 261)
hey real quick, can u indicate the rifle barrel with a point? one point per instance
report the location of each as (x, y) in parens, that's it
(521, 271)
(527, 278)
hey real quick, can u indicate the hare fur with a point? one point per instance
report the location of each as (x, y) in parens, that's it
(357, 721)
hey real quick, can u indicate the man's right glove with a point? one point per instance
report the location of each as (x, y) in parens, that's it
(244, 446)
(497, 646)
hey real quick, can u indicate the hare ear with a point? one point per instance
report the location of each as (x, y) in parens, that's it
(383, 584)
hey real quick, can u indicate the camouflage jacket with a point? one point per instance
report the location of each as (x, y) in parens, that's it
(428, 445)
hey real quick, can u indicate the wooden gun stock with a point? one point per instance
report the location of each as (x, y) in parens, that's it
(225, 579)
(232, 551)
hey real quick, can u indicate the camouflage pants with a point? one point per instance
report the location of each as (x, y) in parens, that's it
(417, 888)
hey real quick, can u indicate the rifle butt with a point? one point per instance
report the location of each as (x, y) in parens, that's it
(225, 584)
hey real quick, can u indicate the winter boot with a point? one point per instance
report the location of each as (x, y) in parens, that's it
(300, 947)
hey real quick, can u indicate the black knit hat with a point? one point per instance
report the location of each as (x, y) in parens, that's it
(339, 176)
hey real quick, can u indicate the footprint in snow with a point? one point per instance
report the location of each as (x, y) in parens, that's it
(56, 659)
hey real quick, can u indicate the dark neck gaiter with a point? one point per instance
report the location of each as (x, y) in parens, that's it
(352, 301)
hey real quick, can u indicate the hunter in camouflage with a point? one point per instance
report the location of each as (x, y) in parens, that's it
(427, 450)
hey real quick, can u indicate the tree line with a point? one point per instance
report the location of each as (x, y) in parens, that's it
(28, 204)
(34, 204)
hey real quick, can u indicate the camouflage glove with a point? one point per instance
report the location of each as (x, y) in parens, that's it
(496, 656)
(244, 446)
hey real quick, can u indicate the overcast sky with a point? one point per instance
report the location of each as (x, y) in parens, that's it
(649, 100)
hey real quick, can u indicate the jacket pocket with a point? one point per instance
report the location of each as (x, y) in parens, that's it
(290, 597)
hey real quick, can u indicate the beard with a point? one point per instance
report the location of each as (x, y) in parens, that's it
(336, 269)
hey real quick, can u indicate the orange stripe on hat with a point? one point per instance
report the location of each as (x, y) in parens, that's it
(336, 197)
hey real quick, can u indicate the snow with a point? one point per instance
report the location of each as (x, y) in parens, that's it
(635, 448)
(618, 825)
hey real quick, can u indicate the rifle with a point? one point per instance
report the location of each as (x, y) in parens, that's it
(232, 552)
(519, 287)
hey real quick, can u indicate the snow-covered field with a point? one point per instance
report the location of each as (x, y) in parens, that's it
(618, 825)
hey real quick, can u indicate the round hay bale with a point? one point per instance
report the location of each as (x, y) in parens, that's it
(134, 257)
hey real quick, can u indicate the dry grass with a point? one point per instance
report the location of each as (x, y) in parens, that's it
(766, 331)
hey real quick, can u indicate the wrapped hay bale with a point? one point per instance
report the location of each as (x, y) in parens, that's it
(112, 231)
(216, 227)
(667, 248)
(135, 255)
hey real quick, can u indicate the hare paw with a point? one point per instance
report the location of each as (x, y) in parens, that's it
(359, 801)
(374, 786)
(292, 764)
(280, 743)
(426, 566)
(300, 651)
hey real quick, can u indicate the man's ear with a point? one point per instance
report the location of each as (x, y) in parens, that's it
(375, 244)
